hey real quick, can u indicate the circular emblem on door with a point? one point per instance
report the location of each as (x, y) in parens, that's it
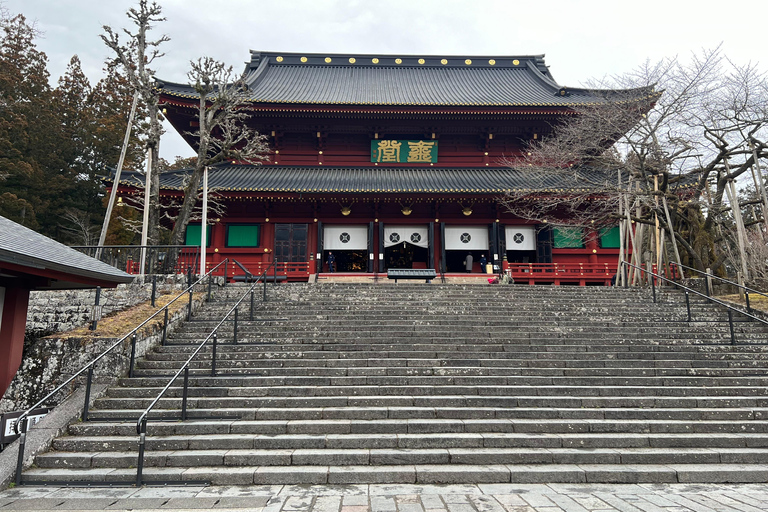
(394, 238)
(518, 238)
(415, 238)
(344, 237)
(465, 238)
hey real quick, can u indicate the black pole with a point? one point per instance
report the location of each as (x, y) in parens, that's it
(22, 444)
(730, 323)
(154, 288)
(706, 287)
(252, 294)
(746, 295)
(264, 277)
(688, 305)
(140, 462)
(133, 355)
(234, 336)
(653, 286)
(210, 279)
(165, 326)
(274, 264)
(189, 306)
(95, 321)
(213, 359)
(87, 393)
(184, 394)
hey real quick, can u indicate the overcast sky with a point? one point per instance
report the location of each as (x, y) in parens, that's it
(582, 39)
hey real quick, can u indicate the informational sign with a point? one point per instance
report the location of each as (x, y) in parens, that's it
(404, 151)
(8, 423)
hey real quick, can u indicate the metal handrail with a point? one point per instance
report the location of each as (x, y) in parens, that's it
(688, 290)
(746, 289)
(141, 423)
(21, 423)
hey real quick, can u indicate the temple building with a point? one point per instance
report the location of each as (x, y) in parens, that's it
(392, 161)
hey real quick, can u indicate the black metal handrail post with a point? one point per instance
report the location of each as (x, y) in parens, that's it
(746, 289)
(728, 307)
(22, 424)
(141, 423)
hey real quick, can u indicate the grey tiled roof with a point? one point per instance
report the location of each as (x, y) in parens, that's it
(22, 246)
(366, 180)
(330, 79)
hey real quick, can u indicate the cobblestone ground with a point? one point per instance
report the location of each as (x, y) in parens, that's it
(399, 498)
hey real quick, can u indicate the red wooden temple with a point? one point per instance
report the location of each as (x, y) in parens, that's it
(392, 161)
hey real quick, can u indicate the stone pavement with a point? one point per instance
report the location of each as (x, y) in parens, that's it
(399, 498)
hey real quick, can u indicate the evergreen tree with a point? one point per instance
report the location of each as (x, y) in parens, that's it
(25, 121)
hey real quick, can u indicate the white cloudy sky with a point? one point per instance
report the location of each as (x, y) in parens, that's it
(581, 39)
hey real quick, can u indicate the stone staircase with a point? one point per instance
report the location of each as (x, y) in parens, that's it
(355, 383)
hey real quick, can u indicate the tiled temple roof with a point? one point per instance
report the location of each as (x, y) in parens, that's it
(381, 80)
(388, 180)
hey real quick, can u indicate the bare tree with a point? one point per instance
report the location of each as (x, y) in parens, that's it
(661, 153)
(79, 227)
(136, 57)
(223, 134)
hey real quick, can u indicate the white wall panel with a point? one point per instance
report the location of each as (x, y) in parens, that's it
(345, 238)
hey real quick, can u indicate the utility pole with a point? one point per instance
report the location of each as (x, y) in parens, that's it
(116, 181)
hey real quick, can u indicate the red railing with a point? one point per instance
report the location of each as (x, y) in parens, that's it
(290, 271)
(559, 273)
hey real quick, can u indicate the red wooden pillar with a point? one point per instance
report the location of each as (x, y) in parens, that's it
(592, 237)
(13, 321)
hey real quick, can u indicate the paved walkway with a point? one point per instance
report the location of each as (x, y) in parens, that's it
(399, 498)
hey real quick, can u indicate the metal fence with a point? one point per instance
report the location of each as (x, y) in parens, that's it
(159, 259)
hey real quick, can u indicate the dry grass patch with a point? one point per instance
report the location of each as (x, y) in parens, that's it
(120, 323)
(758, 302)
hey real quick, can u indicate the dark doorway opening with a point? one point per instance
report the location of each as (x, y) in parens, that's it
(521, 256)
(454, 261)
(405, 255)
(347, 261)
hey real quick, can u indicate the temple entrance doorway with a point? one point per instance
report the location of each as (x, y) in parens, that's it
(461, 241)
(349, 246)
(406, 246)
(521, 244)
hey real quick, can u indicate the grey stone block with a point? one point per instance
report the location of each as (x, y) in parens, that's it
(289, 475)
(230, 475)
(404, 456)
(548, 473)
(330, 457)
(257, 458)
(371, 474)
(447, 474)
(628, 474)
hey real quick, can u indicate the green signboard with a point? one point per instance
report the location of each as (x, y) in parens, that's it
(404, 151)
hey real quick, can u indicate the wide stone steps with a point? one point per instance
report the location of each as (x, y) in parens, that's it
(339, 383)
(170, 455)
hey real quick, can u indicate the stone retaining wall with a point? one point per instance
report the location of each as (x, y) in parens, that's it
(48, 361)
(63, 310)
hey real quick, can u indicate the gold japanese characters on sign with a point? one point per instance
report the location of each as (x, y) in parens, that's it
(404, 151)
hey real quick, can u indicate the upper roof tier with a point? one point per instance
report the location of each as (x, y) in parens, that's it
(336, 79)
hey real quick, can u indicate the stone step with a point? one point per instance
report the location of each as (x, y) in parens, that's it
(441, 384)
(92, 430)
(169, 455)
(422, 474)
(290, 408)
